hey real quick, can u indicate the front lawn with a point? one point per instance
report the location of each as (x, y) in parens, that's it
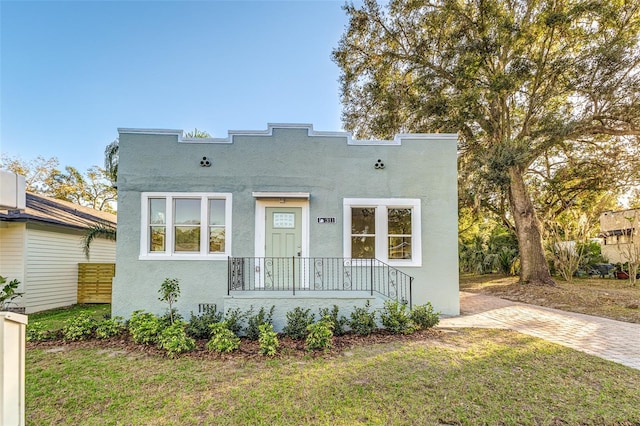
(448, 377)
(54, 319)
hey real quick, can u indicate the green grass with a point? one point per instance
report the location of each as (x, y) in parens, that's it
(54, 319)
(463, 377)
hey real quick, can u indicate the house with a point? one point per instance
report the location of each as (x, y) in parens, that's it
(620, 233)
(287, 216)
(41, 245)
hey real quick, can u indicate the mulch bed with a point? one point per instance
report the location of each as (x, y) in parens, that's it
(288, 348)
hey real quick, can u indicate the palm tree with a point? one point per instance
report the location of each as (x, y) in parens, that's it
(105, 231)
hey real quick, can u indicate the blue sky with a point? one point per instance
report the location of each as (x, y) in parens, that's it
(72, 72)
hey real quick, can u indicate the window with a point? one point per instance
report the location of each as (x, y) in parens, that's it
(185, 226)
(386, 229)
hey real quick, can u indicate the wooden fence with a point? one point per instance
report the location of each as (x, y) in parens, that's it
(94, 282)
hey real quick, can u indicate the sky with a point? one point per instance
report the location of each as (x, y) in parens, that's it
(73, 72)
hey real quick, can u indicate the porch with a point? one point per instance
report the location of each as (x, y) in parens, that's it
(318, 277)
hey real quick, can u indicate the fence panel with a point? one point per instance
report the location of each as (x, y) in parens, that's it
(94, 282)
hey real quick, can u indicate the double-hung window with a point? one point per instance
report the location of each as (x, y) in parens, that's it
(387, 229)
(185, 225)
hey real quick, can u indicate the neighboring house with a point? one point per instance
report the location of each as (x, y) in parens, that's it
(288, 217)
(620, 232)
(41, 246)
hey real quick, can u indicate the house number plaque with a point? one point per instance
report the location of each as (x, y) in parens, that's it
(326, 220)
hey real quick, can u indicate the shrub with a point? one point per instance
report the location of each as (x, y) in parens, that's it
(174, 340)
(395, 318)
(423, 316)
(8, 292)
(79, 328)
(255, 321)
(297, 322)
(109, 328)
(268, 340)
(320, 334)
(222, 339)
(338, 323)
(166, 318)
(363, 321)
(144, 327)
(198, 326)
(234, 318)
(36, 332)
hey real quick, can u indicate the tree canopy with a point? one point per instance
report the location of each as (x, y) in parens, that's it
(545, 96)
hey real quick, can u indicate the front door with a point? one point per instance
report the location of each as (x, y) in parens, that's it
(283, 243)
(283, 232)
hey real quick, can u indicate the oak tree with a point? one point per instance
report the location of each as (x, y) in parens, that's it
(519, 80)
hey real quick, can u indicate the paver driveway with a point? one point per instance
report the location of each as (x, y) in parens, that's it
(613, 340)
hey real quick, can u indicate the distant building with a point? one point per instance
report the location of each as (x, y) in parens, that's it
(620, 231)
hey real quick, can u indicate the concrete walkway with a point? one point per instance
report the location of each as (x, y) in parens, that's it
(613, 340)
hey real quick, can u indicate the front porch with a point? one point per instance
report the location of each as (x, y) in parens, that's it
(318, 277)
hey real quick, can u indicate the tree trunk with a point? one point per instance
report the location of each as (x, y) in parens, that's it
(533, 265)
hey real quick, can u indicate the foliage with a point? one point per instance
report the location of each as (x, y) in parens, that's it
(174, 340)
(222, 338)
(79, 328)
(37, 332)
(363, 321)
(423, 316)
(540, 94)
(567, 243)
(297, 322)
(198, 326)
(144, 327)
(488, 247)
(104, 230)
(169, 292)
(268, 340)
(197, 134)
(111, 160)
(110, 327)
(255, 321)
(8, 292)
(234, 319)
(319, 335)
(339, 323)
(396, 318)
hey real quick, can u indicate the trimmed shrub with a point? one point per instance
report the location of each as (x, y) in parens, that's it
(234, 318)
(339, 323)
(174, 340)
(363, 321)
(110, 327)
(268, 340)
(144, 327)
(423, 316)
(37, 332)
(297, 322)
(79, 328)
(319, 334)
(396, 318)
(222, 339)
(199, 326)
(255, 321)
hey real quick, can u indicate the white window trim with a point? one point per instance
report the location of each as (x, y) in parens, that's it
(261, 223)
(381, 205)
(169, 254)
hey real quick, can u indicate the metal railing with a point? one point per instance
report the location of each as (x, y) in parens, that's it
(305, 274)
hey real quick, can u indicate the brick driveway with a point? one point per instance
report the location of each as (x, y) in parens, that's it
(613, 340)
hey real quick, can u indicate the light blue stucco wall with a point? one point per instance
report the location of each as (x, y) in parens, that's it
(284, 159)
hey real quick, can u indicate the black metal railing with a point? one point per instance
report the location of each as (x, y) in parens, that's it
(304, 274)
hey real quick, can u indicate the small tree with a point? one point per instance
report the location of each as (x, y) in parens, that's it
(629, 247)
(566, 242)
(169, 292)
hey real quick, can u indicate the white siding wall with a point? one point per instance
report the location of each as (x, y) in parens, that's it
(12, 255)
(52, 267)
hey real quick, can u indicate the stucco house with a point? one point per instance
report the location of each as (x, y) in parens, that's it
(620, 233)
(41, 246)
(287, 216)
